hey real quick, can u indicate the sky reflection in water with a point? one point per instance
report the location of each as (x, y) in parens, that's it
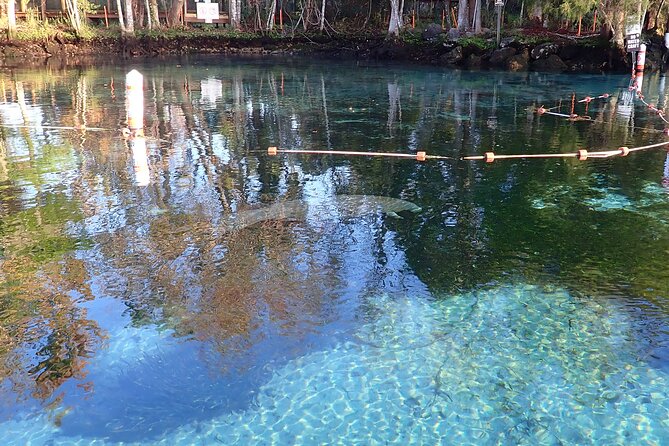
(524, 303)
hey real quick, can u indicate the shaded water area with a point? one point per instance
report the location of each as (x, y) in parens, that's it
(194, 290)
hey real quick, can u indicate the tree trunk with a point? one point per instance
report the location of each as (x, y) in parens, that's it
(395, 19)
(477, 17)
(536, 14)
(153, 13)
(121, 22)
(618, 28)
(149, 19)
(258, 20)
(74, 16)
(463, 15)
(11, 19)
(235, 13)
(657, 15)
(129, 19)
(322, 26)
(307, 12)
(271, 17)
(175, 13)
(140, 13)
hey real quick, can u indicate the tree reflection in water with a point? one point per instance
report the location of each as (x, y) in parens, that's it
(75, 228)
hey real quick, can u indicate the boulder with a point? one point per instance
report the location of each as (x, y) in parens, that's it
(544, 50)
(519, 62)
(432, 32)
(452, 57)
(507, 41)
(569, 52)
(501, 56)
(454, 34)
(449, 45)
(551, 63)
(473, 61)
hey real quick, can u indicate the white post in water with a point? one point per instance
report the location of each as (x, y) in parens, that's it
(140, 160)
(134, 102)
(640, 63)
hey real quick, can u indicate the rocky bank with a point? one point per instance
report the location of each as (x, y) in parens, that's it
(431, 45)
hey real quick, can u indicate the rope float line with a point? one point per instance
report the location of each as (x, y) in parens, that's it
(590, 98)
(572, 116)
(655, 110)
(488, 157)
(418, 156)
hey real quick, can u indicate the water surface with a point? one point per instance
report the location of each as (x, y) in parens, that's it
(144, 301)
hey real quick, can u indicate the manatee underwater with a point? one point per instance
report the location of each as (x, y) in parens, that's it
(343, 206)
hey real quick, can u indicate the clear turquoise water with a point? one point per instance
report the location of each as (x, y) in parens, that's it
(526, 303)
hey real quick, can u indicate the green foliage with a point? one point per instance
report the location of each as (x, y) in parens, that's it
(529, 39)
(35, 29)
(244, 35)
(87, 33)
(412, 38)
(595, 42)
(86, 6)
(477, 42)
(185, 33)
(573, 9)
(113, 32)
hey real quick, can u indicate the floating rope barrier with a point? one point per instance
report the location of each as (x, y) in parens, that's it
(488, 157)
(581, 155)
(660, 113)
(418, 156)
(570, 117)
(589, 99)
(574, 117)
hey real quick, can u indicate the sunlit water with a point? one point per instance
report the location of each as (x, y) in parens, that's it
(190, 289)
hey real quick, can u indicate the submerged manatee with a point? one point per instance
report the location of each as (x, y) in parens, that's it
(359, 205)
(343, 206)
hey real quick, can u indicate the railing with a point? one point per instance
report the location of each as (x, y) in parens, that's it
(188, 17)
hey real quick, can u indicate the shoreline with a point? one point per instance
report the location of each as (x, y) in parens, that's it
(555, 54)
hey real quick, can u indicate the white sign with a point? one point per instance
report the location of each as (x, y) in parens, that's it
(633, 42)
(207, 12)
(499, 2)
